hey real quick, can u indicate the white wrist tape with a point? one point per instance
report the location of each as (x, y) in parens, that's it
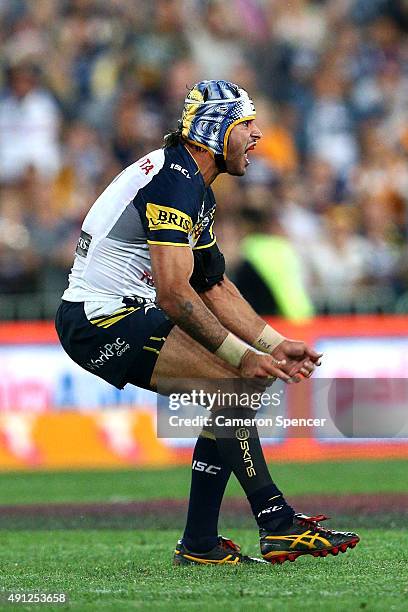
(268, 340)
(232, 350)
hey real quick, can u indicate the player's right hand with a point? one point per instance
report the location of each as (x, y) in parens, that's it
(254, 365)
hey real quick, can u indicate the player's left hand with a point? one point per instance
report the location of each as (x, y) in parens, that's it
(301, 360)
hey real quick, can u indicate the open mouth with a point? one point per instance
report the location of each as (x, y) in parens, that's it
(250, 147)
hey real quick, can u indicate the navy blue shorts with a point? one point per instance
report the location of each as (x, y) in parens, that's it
(122, 347)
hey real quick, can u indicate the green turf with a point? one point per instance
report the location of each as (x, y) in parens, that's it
(124, 570)
(329, 477)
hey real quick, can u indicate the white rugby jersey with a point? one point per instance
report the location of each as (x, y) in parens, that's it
(160, 199)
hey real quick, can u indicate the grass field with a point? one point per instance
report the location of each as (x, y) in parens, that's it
(127, 568)
(294, 479)
(124, 570)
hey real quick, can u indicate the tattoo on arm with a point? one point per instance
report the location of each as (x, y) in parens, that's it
(198, 322)
(187, 310)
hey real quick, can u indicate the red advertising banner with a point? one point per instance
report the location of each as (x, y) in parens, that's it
(54, 415)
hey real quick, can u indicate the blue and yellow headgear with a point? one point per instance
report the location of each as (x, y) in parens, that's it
(211, 110)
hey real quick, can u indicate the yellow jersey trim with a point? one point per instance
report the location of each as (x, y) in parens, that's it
(177, 244)
(109, 320)
(205, 246)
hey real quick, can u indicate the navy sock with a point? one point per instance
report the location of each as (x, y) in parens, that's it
(209, 477)
(239, 446)
(270, 509)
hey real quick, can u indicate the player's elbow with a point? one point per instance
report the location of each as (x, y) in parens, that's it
(217, 294)
(169, 299)
(217, 288)
(163, 299)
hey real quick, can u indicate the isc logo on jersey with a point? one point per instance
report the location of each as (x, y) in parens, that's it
(183, 171)
(165, 217)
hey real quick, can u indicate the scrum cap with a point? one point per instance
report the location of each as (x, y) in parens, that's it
(211, 110)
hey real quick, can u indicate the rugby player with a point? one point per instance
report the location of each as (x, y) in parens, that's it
(148, 300)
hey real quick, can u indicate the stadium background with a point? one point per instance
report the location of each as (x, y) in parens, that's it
(316, 227)
(314, 234)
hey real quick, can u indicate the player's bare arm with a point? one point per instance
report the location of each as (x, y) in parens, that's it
(238, 316)
(172, 268)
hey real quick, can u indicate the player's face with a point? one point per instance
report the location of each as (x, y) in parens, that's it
(242, 139)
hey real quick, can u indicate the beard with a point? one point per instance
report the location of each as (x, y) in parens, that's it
(235, 167)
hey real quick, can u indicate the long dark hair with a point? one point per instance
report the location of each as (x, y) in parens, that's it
(174, 138)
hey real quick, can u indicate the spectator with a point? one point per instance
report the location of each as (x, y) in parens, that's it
(329, 127)
(270, 276)
(93, 84)
(29, 126)
(338, 265)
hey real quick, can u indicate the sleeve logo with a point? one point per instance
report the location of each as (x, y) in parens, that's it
(167, 218)
(83, 244)
(146, 165)
(204, 219)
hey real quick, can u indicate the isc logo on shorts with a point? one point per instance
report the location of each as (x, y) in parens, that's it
(165, 217)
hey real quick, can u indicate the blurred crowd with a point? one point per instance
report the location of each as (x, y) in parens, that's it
(319, 222)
